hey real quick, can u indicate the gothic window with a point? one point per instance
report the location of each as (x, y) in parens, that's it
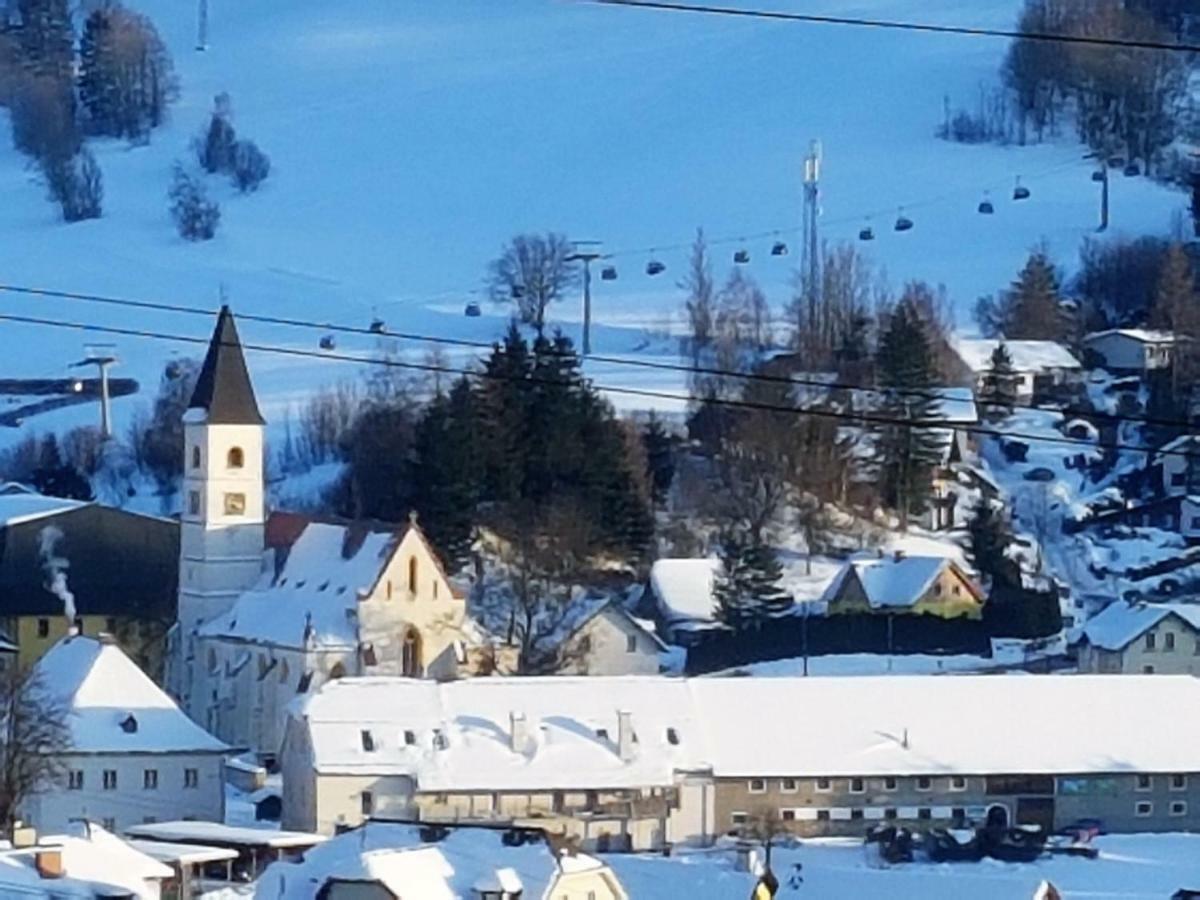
(412, 574)
(236, 458)
(195, 457)
(410, 654)
(235, 504)
(212, 661)
(193, 503)
(338, 671)
(283, 672)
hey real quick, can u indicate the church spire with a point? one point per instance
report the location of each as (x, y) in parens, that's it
(223, 389)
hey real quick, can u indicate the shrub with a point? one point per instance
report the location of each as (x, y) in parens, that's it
(215, 149)
(195, 215)
(250, 166)
(76, 185)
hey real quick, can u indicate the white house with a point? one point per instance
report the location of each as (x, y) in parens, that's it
(1146, 638)
(86, 861)
(1037, 364)
(390, 859)
(134, 756)
(611, 641)
(1132, 349)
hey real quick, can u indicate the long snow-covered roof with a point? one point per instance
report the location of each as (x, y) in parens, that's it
(739, 727)
(17, 505)
(1119, 623)
(1027, 356)
(1141, 335)
(891, 581)
(683, 588)
(102, 688)
(314, 596)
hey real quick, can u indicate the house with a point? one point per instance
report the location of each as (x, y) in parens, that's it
(609, 640)
(900, 584)
(253, 849)
(1037, 365)
(1132, 349)
(646, 762)
(1179, 462)
(681, 591)
(51, 549)
(1149, 638)
(956, 410)
(1178, 512)
(394, 861)
(272, 607)
(85, 861)
(133, 755)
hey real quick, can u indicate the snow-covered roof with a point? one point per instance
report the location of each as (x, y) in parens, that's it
(1141, 335)
(113, 705)
(314, 597)
(744, 727)
(217, 834)
(954, 406)
(19, 505)
(683, 588)
(1027, 356)
(891, 581)
(1177, 445)
(96, 863)
(1119, 623)
(461, 864)
(187, 854)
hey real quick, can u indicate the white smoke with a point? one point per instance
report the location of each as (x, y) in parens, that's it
(55, 568)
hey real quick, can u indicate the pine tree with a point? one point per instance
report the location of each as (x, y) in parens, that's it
(93, 90)
(999, 390)
(1033, 306)
(746, 589)
(989, 535)
(660, 458)
(907, 454)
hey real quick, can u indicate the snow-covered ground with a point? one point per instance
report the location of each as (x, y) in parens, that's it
(410, 141)
(1129, 867)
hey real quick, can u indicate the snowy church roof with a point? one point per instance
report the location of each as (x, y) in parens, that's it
(744, 727)
(113, 705)
(1119, 623)
(1027, 356)
(312, 600)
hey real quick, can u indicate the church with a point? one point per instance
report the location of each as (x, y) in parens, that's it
(271, 606)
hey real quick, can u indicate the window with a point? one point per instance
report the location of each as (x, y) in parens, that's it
(788, 815)
(191, 778)
(924, 783)
(110, 779)
(856, 814)
(388, 589)
(410, 737)
(338, 671)
(305, 681)
(822, 815)
(631, 643)
(235, 504)
(890, 812)
(1179, 782)
(110, 625)
(1196, 649)
(824, 785)
(149, 820)
(672, 737)
(738, 818)
(857, 786)
(959, 815)
(1151, 640)
(75, 780)
(1177, 479)
(367, 802)
(410, 654)
(1145, 782)
(193, 503)
(195, 457)
(368, 741)
(150, 779)
(1169, 642)
(956, 590)
(412, 574)
(1147, 670)
(924, 813)
(235, 458)
(758, 785)
(1143, 808)
(109, 823)
(958, 783)
(889, 784)
(43, 628)
(1179, 807)
(283, 671)
(788, 785)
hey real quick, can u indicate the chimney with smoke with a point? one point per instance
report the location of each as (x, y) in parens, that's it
(54, 567)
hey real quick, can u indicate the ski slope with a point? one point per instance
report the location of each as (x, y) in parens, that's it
(409, 141)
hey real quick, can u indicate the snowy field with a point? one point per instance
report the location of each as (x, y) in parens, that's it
(409, 141)
(1130, 867)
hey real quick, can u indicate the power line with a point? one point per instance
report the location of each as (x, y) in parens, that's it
(933, 395)
(898, 25)
(858, 418)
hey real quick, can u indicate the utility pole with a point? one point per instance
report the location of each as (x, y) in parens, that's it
(101, 356)
(202, 25)
(810, 264)
(585, 252)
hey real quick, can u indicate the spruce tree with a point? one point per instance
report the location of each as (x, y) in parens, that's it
(907, 454)
(660, 457)
(999, 390)
(1033, 306)
(989, 535)
(94, 94)
(746, 589)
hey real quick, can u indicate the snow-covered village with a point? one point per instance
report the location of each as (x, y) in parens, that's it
(599, 449)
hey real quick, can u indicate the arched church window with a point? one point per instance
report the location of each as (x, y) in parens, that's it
(212, 660)
(410, 654)
(412, 574)
(195, 457)
(236, 458)
(338, 671)
(283, 671)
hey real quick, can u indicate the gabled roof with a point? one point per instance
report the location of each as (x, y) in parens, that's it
(683, 588)
(223, 388)
(895, 581)
(1141, 335)
(1119, 624)
(103, 689)
(1178, 444)
(1027, 356)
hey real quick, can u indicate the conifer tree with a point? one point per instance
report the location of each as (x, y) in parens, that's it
(660, 458)
(746, 589)
(1033, 306)
(93, 91)
(989, 535)
(999, 390)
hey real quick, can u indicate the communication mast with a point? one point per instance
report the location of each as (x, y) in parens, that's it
(810, 263)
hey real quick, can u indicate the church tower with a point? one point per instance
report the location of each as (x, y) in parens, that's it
(222, 523)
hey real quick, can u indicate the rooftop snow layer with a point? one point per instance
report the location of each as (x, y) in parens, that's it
(1119, 623)
(684, 588)
(18, 506)
(317, 590)
(1143, 335)
(103, 688)
(891, 581)
(891, 725)
(1027, 356)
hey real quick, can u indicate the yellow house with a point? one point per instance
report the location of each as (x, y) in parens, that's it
(907, 585)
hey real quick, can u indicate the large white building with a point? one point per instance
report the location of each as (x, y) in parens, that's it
(134, 756)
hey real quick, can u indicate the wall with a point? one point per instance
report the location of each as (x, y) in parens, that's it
(1118, 352)
(940, 600)
(338, 799)
(131, 803)
(608, 635)
(1184, 659)
(31, 646)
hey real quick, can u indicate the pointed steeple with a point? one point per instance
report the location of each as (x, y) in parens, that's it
(223, 389)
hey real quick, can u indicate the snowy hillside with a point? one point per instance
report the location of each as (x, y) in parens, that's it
(409, 141)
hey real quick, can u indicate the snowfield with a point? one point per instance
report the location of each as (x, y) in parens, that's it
(408, 142)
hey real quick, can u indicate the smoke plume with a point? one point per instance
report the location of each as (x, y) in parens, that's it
(55, 569)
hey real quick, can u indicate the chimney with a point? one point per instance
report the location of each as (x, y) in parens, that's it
(898, 555)
(625, 735)
(24, 837)
(518, 731)
(49, 862)
(107, 639)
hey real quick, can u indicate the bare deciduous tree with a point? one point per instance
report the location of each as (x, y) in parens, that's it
(35, 735)
(532, 271)
(700, 305)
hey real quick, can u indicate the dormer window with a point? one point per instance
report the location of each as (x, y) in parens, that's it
(236, 459)
(368, 741)
(439, 740)
(129, 724)
(410, 737)
(672, 737)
